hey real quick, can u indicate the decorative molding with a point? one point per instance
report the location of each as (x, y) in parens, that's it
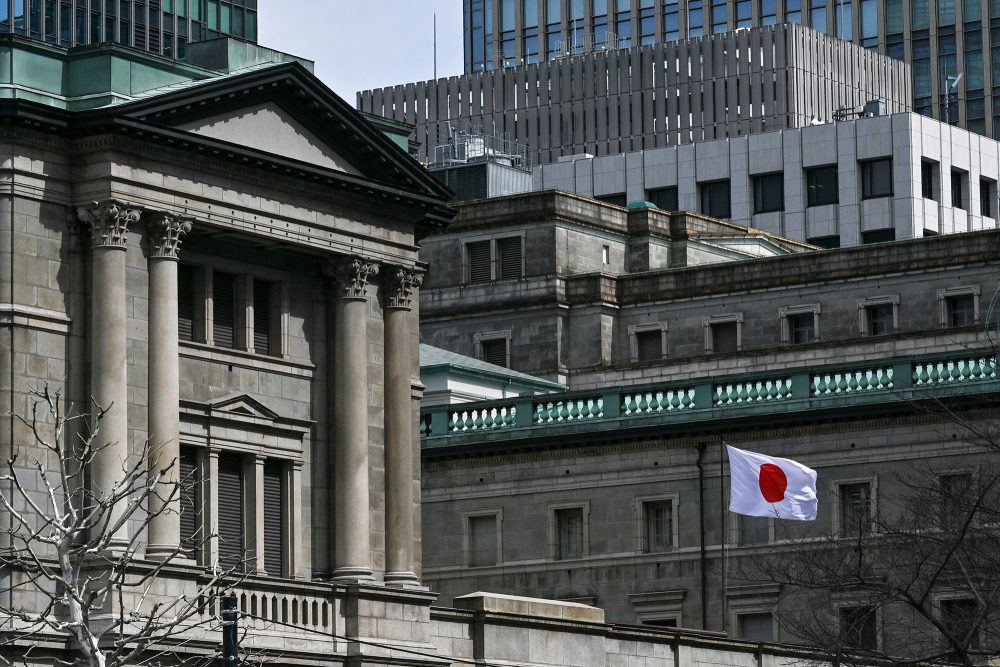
(351, 275)
(399, 285)
(108, 222)
(165, 232)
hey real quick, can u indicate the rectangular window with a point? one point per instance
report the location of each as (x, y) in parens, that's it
(190, 502)
(494, 351)
(802, 328)
(754, 530)
(880, 319)
(961, 310)
(955, 488)
(273, 508)
(482, 540)
(769, 193)
(927, 178)
(649, 345)
(757, 626)
(821, 185)
(262, 317)
(987, 197)
(659, 525)
(509, 258)
(715, 198)
(878, 236)
(664, 198)
(480, 261)
(617, 199)
(224, 309)
(858, 627)
(826, 242)
(507, 253)
(230, 512)
(876, 178)
(958, 187)
(855, 508)
(725, 337)
(961, 617)
(569, 536)
(185, 301)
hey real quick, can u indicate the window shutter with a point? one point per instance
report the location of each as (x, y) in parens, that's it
(650, 345)
(274, 518)
(494, 351)
(261, 317)
(185, 302)
(223, 309)
(479, 262)
(724, 337)
(230, 511)
(189, 501)
(511, 258)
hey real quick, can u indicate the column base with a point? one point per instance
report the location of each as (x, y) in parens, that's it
(352, 573)
(403, 580)
(165, 551)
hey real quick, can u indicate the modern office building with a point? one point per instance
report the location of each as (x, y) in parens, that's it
(165, 27)
(939, 39)
(835, 184)
(606, 102)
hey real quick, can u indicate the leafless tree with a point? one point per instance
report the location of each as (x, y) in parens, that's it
(68, 591)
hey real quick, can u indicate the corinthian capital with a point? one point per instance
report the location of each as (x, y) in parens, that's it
(165, 232)
(399, 284)
(108, 222)
(351, 275)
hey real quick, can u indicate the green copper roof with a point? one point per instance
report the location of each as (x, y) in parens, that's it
(432, 358)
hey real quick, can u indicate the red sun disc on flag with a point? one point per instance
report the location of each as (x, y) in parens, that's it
(772, 483)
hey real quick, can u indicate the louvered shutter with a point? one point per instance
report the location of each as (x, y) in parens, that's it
(185, 302)
(510, 262)
(478, 253)
(495, 351)
(230, 511)
(189, 501)
(274, 518)
(261, 317)
(223, 310)
(724, 337)
(650, 345)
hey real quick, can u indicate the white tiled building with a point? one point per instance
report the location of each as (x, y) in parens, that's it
(866, 180)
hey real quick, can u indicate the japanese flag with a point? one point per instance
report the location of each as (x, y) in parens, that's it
(768, 486)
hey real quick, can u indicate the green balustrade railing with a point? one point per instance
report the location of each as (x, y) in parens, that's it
(811, 386)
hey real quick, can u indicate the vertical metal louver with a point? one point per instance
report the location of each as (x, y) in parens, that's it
(261, 317)
(650, 345)
(724, 337)
(480, 260)
(223, 309)
(230, 511)
(185, 302)
(190, 502)
(494, 351)
(274, 518)
(510, 258)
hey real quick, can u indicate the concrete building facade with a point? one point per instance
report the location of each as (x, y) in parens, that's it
(836, 184)
(939, 39)
(608, 102)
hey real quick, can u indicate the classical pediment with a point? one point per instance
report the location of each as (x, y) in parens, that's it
(268, 128)
(242, 406)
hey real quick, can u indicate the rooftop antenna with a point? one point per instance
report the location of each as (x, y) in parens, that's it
(435, 45)
(950, 92)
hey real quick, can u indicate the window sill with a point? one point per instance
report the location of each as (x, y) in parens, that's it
(244, 359)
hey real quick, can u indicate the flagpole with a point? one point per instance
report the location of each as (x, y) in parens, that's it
(722, 524)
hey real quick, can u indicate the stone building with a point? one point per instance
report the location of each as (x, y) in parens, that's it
(619, 101)
(613, 493)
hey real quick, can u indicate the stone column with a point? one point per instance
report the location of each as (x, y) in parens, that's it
(352, 522)
(163, 538)
(108, 222)
(399, 286)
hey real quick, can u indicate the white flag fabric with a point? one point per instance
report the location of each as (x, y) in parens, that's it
(764, 485)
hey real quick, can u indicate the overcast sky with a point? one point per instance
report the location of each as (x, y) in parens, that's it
(363, 44)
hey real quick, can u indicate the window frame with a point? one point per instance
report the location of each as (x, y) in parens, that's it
(759, 182)
(868, 180)
(988, 196)
(959, 177)
(641, 503)
(942, 597)
(554, 532)
(494, 245)
(943, 295)
(467, 517)
(634, 330)
(871, 301)
(753, 599)
(704, 195)
(479, 337)
(929, 190)
(786, 312)
(839, 524)
(723, 318)
(811, 187)
(846, 603)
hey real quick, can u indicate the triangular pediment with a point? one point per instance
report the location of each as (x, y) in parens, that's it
(268, 128)
(243, 405)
